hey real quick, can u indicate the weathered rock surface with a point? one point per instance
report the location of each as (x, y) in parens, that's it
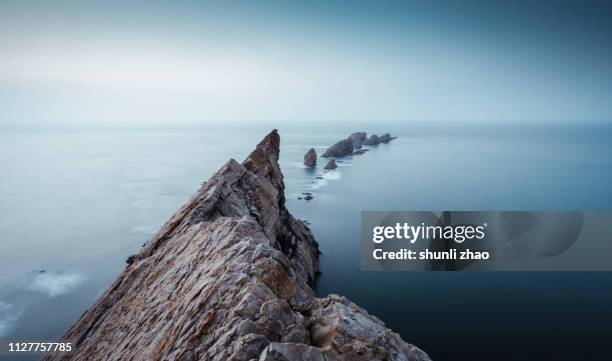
(229, 277)
(332, 321)
(342, 148)
(358, 138)
(331, 164)
(310, 158)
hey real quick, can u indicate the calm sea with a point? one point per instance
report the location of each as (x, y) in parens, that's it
(76, 205)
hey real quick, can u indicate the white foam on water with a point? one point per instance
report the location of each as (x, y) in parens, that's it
(318, 184)
(332, 175)
(53, 284)
(142, 229)
(9, 314)
(299, 165)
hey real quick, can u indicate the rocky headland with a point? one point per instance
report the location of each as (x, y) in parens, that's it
(230, 277)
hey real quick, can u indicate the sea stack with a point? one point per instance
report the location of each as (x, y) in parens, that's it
(386, 138)
(310, 158)
(230, 277)
(358, 138)
(342, 148)
(331, 165)
(372, 140)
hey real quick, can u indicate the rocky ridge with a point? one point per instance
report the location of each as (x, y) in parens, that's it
(230, 277)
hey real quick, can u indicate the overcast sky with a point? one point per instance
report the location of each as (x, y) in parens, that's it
(83, 64)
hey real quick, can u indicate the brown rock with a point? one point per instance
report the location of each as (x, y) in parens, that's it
(342, 148)
(310, 158)
(230, 277)
(331, 165)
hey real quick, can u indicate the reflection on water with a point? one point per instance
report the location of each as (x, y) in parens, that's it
(75, 206)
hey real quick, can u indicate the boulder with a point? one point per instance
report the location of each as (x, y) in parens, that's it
(331, 165)
(310, 158)
(342, 148)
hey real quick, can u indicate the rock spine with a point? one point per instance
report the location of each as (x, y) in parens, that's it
(230, 277)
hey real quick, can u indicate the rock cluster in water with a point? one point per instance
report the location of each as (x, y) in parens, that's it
(354, 143)
(310, 158)
(230, 277)
(375, 139)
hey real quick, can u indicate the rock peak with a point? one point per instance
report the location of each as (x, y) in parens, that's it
(263, 160)
(230, 277)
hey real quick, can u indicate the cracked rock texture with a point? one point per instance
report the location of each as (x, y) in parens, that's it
(230, 277)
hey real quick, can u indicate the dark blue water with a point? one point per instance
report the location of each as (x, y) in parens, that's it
(75, 205)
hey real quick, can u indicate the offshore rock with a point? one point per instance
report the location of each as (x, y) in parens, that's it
(372, 140)
(331, 165)
(358, 138)
(310, 158)
(386, 138)
(230, 277)
(342, 148)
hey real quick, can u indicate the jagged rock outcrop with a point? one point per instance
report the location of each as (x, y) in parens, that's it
(331, 165)
(358, 138)
(310, 158)
(342, 148)
(230, 277)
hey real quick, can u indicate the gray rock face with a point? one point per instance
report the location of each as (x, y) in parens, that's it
(331, 165)
(372, 140)
(310, 158)
(230, 277)
(375, 139)
(342, 148)
(386, 138)
(358, 138)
